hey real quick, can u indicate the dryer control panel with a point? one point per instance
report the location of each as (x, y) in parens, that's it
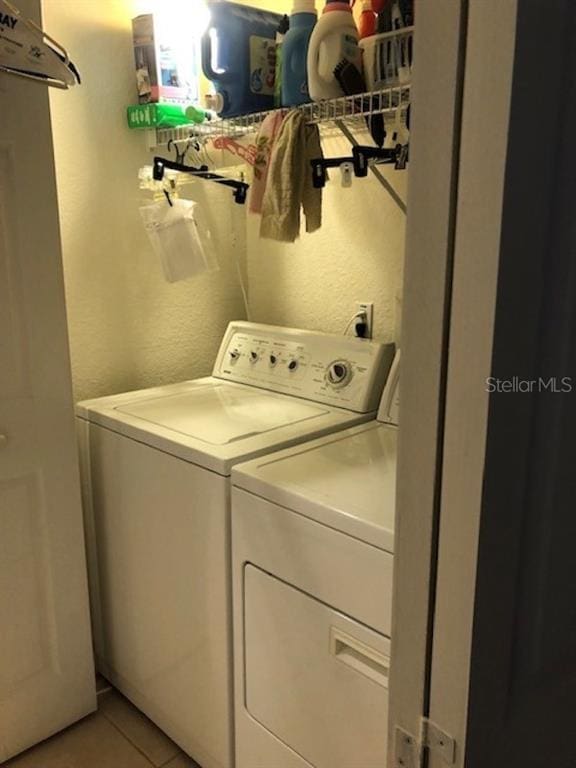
(336, 370)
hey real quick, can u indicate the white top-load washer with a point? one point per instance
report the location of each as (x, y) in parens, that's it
(155, 467)
(312, 561)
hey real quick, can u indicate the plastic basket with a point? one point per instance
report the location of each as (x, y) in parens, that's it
(388, 58)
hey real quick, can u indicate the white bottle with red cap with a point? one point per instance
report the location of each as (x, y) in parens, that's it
(334, 39)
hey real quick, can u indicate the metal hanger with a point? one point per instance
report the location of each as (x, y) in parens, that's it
(27, 51)
(360, 161)
(180, 153)
(240, 187)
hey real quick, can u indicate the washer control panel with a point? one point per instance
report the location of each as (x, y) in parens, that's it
(336, 370)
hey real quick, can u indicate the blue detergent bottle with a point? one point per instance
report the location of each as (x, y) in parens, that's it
(239, 57)
(295, 54)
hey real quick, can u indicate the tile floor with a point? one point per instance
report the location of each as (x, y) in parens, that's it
(116, 736)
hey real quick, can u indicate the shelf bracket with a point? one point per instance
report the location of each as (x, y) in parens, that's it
(375, 170)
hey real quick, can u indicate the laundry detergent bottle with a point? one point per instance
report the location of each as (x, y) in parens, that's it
(295, 54)
(239, 57)
(334, 39)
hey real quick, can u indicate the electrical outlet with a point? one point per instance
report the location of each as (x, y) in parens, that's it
(367, 307)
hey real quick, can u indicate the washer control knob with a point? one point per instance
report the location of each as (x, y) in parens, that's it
(273, 360)
(253, 357)
(292, 365)
(234, 355)
(339, 373)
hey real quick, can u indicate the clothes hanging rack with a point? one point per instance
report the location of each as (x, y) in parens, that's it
(350, 110)
(376, 171)
(240, 187)
(363, 159)
(360, 161)
(346, 114)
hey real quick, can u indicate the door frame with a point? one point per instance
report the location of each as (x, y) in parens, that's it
(491, 660)
(452, 252)
(430, 233)
(489, 73)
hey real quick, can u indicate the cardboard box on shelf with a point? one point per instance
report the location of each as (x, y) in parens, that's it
(166, 70)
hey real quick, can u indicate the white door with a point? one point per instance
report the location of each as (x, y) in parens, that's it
(434, 139)
(46, 671)
(487, 559)
(503, 675)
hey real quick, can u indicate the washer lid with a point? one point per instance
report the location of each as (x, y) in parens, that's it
(213, 423)
(221, 414)
(346, 481)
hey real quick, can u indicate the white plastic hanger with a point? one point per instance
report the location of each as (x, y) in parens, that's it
(27, 51)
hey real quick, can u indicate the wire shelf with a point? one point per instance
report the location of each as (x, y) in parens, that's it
(347, 109)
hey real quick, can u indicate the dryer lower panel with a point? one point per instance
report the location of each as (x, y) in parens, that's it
(310, 641)
(314, 678)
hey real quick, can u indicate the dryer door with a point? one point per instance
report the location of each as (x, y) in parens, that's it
(315, 678)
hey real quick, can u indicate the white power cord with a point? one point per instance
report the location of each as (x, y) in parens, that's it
(243, 288)
(240, 273)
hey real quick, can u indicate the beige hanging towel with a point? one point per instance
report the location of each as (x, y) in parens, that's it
(289, 186)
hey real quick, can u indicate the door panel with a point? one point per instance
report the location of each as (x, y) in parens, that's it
(503, 680)
(14, 371)
(434, 157)
(46, 671)
(481, 184)
(25, 583)
(523, 659)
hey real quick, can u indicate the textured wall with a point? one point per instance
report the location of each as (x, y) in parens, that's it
(357, 255)
(128, 327)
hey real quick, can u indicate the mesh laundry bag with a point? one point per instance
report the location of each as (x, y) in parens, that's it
(180, 238)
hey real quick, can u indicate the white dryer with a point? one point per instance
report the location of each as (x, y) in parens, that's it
(156, 476)
(312, 560)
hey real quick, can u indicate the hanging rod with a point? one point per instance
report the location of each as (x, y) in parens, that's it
(350, 110)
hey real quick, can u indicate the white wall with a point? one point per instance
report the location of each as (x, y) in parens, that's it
(357, 255)
(128, 327)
